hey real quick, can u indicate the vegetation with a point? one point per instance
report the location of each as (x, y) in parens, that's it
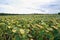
(30, 27)
(59, 13)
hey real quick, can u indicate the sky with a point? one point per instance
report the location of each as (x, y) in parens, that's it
(29, 6)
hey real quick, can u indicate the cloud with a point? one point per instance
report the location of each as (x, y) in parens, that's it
(11, 9)
(29, 6)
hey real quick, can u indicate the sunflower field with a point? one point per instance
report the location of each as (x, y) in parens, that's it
(30, 27)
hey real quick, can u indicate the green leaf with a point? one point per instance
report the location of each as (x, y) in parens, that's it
(17, 37)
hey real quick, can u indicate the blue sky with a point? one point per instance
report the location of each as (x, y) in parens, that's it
(29, 6)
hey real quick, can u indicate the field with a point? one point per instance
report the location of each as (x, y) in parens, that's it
(30, 27)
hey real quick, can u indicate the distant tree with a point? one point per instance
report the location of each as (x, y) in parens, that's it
(4, 14)
(59, 13)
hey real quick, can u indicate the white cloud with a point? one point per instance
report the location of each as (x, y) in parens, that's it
(11, 9)
(27, 6)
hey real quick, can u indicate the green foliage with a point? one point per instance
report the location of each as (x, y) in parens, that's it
(30, 27)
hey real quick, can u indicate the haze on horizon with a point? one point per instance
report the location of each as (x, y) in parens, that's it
(29, 6)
